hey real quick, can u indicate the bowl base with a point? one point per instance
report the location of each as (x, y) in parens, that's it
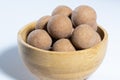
(45, 78)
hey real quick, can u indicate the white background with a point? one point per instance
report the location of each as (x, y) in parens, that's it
(14, 14)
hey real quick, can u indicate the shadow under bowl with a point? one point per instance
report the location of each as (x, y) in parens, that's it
(52, 65)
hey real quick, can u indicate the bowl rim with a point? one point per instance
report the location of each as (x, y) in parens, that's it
(20, 39)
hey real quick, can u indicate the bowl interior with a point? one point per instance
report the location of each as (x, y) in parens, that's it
(30, 27)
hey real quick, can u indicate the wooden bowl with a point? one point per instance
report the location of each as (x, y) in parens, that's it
(52, 65)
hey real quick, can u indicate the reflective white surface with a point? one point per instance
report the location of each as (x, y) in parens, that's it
(14, 14)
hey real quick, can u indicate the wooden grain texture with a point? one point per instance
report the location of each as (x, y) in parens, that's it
(51, 65)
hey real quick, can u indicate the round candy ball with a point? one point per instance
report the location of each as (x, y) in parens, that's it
(63, 10)
(85, 37)
(42, 22)
(40, 39)
(63, 45)
(59, 26)
(84, 15)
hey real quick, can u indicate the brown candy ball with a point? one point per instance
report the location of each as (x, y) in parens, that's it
(59, 26)
(42, 22)
(63, 45)
(40, 39)
(62, 10)
(84, 15)
(85, 37)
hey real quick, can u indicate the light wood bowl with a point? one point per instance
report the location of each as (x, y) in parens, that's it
(51, 65)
